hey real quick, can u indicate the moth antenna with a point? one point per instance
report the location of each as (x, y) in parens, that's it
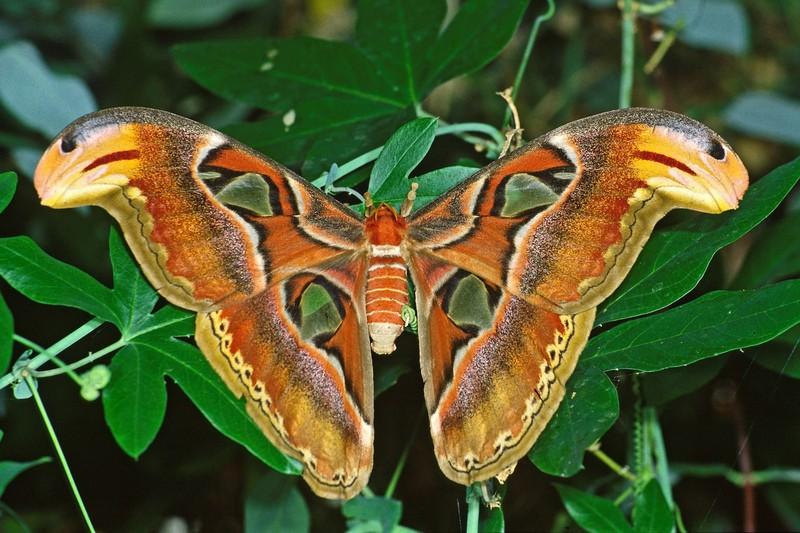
(408, 203)
(369, 205)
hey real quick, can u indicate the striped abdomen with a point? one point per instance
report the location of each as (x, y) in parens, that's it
(387, 288)
(387, 294)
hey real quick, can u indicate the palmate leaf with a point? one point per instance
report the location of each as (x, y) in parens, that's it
(477, 33)
(330, 88)
(674, 260)
(186, 365)
(277, 74)
(135, 399)
(349, 99)
(43, 279)
(397, 36)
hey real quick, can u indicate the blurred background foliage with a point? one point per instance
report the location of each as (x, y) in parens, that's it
(735, 65)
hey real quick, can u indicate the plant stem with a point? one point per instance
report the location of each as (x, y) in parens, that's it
(54, 350)
(595, 450)
(32, 385)
(757, 477)
(626, 74)
(460, 130)
(401, 463)
(18, 521)
(473, 512)
(659, 450)
(63, 367)
(523, 64)
(83, 362)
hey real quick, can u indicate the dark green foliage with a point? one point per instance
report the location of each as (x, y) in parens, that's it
(312, 103)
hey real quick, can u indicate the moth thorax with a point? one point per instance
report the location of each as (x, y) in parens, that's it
(387, 294)
(387, 288)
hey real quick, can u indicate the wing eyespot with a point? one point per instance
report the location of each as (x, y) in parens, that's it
(68, 144)
(716, 150)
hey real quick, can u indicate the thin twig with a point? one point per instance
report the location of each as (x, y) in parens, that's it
(59, 451)
(626, 73)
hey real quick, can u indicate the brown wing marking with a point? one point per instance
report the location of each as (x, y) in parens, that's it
(492, 382)
(561, 221)
(307, 379)
(275, 269)
(192, 202)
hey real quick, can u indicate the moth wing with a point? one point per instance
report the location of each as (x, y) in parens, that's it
(257, 251)
(541, 237)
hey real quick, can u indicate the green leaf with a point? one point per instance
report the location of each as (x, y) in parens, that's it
(135, 399)
(712, 324)
(780, 358)
(8, 185)
(133, 293)
(190, 370)
(11, 469)
(712, 24)
(774, 255)
(388, 370)
(96, 30)
(589, 409)
(666, 385)
(36, 96)
(6, 335)
(325, 131)
(46, 280)
(476, 35)
(194, 13)
(767, 115)
(437, 182)
(402, 153)
(651, 511)
(674, 260)
(591, 512)
(383, 511)
(431, 186)
(278, 74)
(784, 499)
(275, 504)
(494, 522)
(397, 36)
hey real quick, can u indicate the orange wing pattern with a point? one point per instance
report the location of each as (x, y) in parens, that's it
(510, 266)
(274, 268)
